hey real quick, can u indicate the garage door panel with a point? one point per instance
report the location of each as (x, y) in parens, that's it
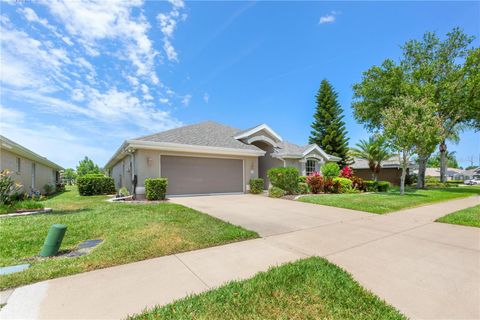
(196, 175)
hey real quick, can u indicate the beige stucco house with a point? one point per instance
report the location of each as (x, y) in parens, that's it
(209, 157)
(29, 169)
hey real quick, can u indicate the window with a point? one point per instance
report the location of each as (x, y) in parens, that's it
(19, 165)
(310, 167)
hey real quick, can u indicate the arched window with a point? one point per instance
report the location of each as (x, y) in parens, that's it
(310, 167)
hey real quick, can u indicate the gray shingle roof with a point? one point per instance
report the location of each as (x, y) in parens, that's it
(392, 162)
(208, 133)
(289, 148)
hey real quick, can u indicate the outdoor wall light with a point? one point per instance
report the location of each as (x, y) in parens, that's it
(149, 161)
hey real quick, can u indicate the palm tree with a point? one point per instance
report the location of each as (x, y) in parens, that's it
(374, 150)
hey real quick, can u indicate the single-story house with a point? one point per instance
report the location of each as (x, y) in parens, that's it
(451, 173)
(390, 171)
(28, 169)
(209, 157)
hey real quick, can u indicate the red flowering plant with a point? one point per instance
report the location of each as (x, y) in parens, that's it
(315, 182)
(346, 172)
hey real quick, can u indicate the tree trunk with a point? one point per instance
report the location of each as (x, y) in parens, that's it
(404, 173)
(443, 161)
(422, 167)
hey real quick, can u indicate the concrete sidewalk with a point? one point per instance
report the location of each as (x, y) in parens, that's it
(427, 270)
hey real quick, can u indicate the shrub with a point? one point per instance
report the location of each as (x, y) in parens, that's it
(303, 188)
(346, 172)
(276, 192)
(302, 179)
(430, 179)
(383, 186)
(256, 185)
(315, 182)
(49, 188)
(123, 192)
(358, 183)
(453, 182)
(371, 185)
(28, 205)
(330, 170)
(285, 178)
(345, 183)
(156, 189)
(439, 184)
(95, 184)
(8, 187)
(331, 186)
(59, 187)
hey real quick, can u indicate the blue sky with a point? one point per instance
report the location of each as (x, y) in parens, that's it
(79, 78)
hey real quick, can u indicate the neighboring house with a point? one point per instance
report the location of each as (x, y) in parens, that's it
(209, 157)
(452, 173)
(390, 171)
(29, 169)
(472, 173)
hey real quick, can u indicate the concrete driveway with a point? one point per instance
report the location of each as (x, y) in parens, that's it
(427, 270)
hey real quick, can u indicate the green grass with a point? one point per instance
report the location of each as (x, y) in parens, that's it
(466, 217)
(311, 288)
(21, 206)
(131, 232)
(392, 200)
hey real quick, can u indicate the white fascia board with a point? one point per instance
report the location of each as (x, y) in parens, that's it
(168, 146)
(259, 128)
(323, 153)
(116, 156)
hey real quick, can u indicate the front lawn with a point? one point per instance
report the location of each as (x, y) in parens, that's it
(466, 217)
(311, 288)
(131, 232)
(384, 202)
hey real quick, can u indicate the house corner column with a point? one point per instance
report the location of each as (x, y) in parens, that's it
(303, 168)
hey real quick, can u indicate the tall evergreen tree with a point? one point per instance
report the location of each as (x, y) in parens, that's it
(329, 131)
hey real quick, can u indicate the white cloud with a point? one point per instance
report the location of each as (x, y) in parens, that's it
(168, 23)
(163, 100)
(32, 16)
(11, 116)
(329, 18)
(91, 21)
(186, 100)
(206, 97)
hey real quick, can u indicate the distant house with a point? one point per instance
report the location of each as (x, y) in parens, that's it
(453, 173)
(209, 157)
(29, 169)
(391, 170)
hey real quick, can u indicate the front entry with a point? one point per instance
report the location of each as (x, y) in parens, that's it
(266, 162)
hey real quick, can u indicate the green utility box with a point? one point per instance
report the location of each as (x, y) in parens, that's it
(53, 240)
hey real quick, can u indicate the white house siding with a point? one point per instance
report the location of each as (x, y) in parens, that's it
(43, 174)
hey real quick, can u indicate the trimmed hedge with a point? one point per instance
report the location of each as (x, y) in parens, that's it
(276, 192)
(377, 186)
(256, 185)
(156, 188)
(95, 184)
(285, 178)
(383, 186)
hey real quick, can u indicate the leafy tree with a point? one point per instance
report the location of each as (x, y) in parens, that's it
(402, 123)
(447, 73)
(87, 166)
(374, 150)
(69, 175)
(434, 161)
(328, 127)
